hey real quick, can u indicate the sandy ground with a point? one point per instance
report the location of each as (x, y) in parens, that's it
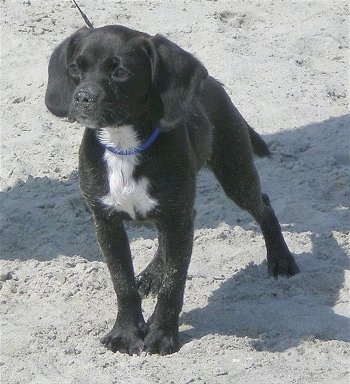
(285, 65)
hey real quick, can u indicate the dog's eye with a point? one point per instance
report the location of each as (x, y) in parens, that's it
(74, 70)
(120, 74)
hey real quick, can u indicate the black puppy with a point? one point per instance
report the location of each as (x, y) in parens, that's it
(154, 117)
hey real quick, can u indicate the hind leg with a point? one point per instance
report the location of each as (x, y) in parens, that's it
(151, 278)
(233, 166)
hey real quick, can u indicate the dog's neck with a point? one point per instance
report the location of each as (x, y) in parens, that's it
(124, 140)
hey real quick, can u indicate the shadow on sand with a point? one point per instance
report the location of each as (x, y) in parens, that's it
(43, 218)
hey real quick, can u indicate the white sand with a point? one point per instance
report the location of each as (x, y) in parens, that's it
(285, 65)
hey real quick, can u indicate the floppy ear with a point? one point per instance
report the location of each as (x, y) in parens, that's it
(177, 81)
(60, 86)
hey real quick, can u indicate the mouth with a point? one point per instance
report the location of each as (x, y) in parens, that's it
(85, 120)
(94, 119)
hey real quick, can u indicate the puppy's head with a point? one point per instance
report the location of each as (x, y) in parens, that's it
(112, 75)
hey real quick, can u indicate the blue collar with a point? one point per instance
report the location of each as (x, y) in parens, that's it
(146, 144)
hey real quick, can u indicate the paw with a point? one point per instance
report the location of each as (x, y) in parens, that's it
(282, 265)
(125, 341)
(150, 280)
(148, 284)
(158, 341)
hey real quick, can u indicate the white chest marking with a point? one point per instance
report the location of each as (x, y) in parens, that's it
(125, 193)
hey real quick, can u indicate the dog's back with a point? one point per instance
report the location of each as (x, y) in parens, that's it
(223, 115)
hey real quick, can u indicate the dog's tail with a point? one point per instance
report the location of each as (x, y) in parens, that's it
(260, 148)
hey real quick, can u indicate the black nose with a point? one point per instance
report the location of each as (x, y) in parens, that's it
(86, 96)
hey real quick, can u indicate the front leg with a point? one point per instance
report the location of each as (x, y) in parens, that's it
(163, 327)
(128, 331)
